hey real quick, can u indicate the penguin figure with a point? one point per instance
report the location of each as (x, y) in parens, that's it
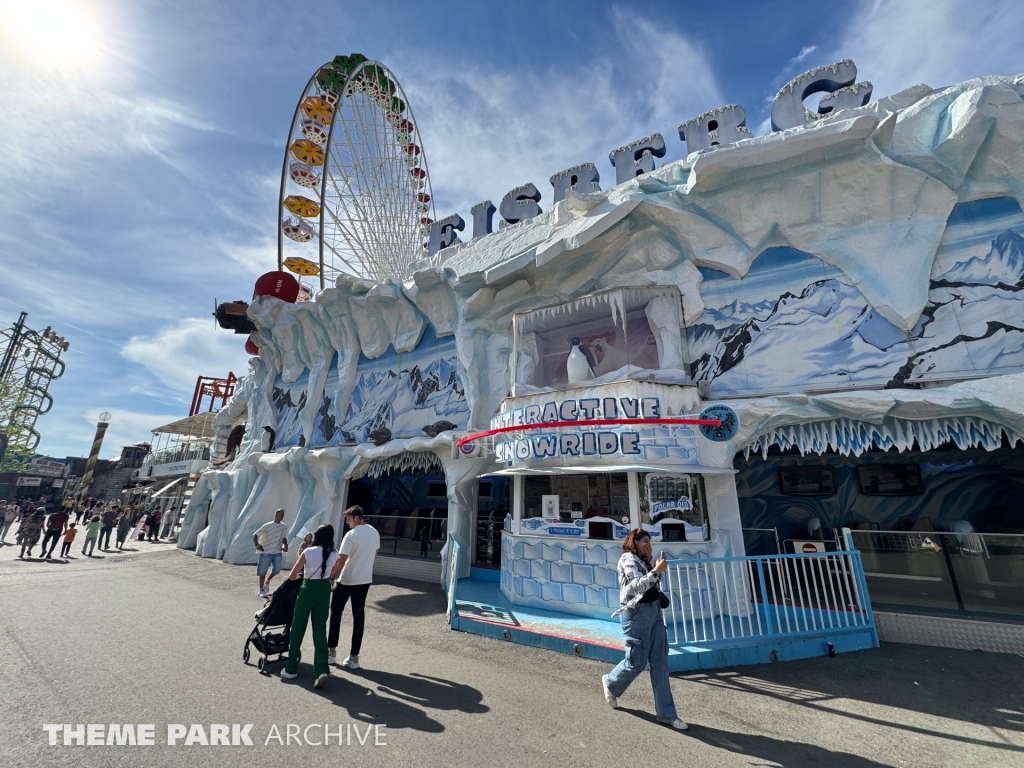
(578, 365)
(267, 440)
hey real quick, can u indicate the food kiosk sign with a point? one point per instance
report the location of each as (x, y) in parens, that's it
(46, 467)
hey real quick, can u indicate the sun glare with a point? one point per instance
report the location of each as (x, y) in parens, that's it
(54, 33)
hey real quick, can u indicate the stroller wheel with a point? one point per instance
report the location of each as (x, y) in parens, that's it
(245, 654)
(262, 663)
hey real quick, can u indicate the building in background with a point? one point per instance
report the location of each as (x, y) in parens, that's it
(38, 477)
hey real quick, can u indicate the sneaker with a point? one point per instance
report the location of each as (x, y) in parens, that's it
(678, 724)
(262, 593)
(321, 681)
(614, 702)
(332, 659)
(351, 662)
(289, 675)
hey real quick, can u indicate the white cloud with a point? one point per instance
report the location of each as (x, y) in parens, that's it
(806, 51)
(488, 130)
(899, 43)
(180, 353)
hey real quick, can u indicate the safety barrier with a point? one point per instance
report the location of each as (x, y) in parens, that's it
(726, 599)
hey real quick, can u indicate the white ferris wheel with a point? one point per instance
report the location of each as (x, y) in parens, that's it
(355, 183)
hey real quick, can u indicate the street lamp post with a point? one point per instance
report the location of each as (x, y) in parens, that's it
(94, 454)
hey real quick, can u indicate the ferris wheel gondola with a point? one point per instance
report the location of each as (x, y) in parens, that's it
(355, 149)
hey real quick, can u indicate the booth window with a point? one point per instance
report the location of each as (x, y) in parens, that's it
(580, 497)
(619, 333)
(675, 503)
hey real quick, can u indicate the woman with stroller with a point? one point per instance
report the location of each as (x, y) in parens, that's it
(315, 567)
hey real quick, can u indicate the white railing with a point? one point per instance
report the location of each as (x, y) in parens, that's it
(731, 598)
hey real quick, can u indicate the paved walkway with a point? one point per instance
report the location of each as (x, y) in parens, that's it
(155, 636)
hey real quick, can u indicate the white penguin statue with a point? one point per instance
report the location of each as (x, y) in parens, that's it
(577, 365)
(267, 440)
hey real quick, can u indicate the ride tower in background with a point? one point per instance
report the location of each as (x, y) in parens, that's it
(30, 361)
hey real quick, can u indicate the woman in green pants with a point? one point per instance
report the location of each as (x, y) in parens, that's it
(314, 567)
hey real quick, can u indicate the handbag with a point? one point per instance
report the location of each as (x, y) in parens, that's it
(663, 600)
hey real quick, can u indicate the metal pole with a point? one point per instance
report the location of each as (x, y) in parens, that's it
(94, 454)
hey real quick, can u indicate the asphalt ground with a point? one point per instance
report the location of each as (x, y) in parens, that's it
(155, 635)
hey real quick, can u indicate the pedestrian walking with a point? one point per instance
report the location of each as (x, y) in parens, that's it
(56, 525)
(92, 532)
(108, 518)
(8, 514)
(317, 566)
(425, 540)
(79, 510)
(355, 568)
(641, 603)
(28, 531)
(69, 537)
(124, 527)
(152, 523)
(271, 540)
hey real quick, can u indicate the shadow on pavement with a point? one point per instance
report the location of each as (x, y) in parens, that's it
(413, 605)
(778, 751)
(365, 705)
(918, 679)
(433, 692)
(420, 598)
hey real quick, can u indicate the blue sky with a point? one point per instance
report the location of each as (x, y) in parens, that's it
(142, 141)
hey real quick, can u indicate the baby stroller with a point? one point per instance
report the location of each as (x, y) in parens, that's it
(275, 615)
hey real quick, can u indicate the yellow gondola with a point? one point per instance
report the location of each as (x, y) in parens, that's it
(302, 206)
(301, 266)
(308, 152)
(317, 108)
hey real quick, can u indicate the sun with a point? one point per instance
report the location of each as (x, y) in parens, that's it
(54, 33)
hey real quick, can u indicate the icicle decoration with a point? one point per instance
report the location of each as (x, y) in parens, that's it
(854, 437)
(406, 461)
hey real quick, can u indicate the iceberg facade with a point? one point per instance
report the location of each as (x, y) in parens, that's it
(852, 284)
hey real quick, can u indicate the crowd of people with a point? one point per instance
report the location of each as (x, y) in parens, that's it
(100, 520)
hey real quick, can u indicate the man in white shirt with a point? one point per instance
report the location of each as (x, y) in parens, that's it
(358, 551)
(271, 540)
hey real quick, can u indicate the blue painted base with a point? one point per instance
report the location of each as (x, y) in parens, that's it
(485, 574)
(482, 609)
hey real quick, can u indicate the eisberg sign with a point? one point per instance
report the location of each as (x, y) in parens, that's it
(723, 125)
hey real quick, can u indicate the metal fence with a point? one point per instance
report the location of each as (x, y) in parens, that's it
(732, 598)
(979, 574)
(404, 536)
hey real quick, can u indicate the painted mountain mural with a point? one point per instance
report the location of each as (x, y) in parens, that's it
(793, 307)
(290, 403)
(414, 394)
(409, 402)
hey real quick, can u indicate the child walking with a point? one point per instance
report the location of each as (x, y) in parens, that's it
(69, 537)
(92, 532)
